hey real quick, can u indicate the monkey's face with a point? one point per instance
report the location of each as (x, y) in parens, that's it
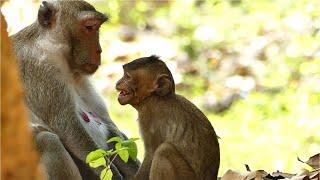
(144, 77)
(79, 28)
(135, 86)
(86, 49)
(85, 46)
(127, 89)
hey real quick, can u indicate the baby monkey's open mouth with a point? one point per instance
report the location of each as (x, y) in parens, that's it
(124, 93)
(124, 96)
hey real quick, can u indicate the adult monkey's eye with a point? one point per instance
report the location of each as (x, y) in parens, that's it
(91, 25)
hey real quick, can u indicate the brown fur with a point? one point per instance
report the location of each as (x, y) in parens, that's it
(180, 142)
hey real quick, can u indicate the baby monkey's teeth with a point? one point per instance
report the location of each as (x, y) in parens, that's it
(123, 93)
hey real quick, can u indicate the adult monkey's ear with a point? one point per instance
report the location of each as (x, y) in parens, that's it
(164, 85)
(46, 14)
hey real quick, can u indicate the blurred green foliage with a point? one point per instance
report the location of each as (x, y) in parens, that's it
(267, 52)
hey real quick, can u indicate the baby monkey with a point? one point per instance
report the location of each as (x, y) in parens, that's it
(180, 142)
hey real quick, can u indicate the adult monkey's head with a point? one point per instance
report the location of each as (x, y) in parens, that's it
(76, 23)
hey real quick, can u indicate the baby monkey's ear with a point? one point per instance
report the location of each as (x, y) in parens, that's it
(164, 85)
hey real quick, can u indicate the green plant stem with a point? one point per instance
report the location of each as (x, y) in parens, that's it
(113, 159)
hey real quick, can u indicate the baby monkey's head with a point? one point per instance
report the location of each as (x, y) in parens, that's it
(144, 77)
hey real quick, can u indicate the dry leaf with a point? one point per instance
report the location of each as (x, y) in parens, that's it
(299, 177)
(233, 175)
(259, 174)
(313, 161)
(282, 174)
(315, 175)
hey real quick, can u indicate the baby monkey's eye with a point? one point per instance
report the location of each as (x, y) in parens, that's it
(127, 75)
(89, 27)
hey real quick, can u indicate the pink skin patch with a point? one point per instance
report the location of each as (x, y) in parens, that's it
(85, 117)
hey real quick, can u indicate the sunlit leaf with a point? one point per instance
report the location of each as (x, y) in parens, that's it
(98, 162)
(132, 148)
(133, 139)
(95, 155)
(106, 174)
(121, 149)
(115, 139)
(118, 146)
(124, 155)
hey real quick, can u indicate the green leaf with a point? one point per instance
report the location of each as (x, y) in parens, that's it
(98, 162)
(133, 139)
(124, 148)
(118, 146)
(121, 149)
(95, 155)
(106, 174)
(124, 155)
(132, 149)
(115, 139)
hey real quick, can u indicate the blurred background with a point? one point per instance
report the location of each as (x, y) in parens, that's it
(253, 67)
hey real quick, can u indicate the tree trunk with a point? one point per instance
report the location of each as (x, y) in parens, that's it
(18, 153)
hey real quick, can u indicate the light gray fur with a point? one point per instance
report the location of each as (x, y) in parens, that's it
(54, 97)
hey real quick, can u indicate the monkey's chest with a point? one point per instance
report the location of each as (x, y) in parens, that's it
(95, 127)
(152, 137)
(93, 124)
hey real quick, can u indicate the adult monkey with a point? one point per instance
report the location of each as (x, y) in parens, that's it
(56, 55)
